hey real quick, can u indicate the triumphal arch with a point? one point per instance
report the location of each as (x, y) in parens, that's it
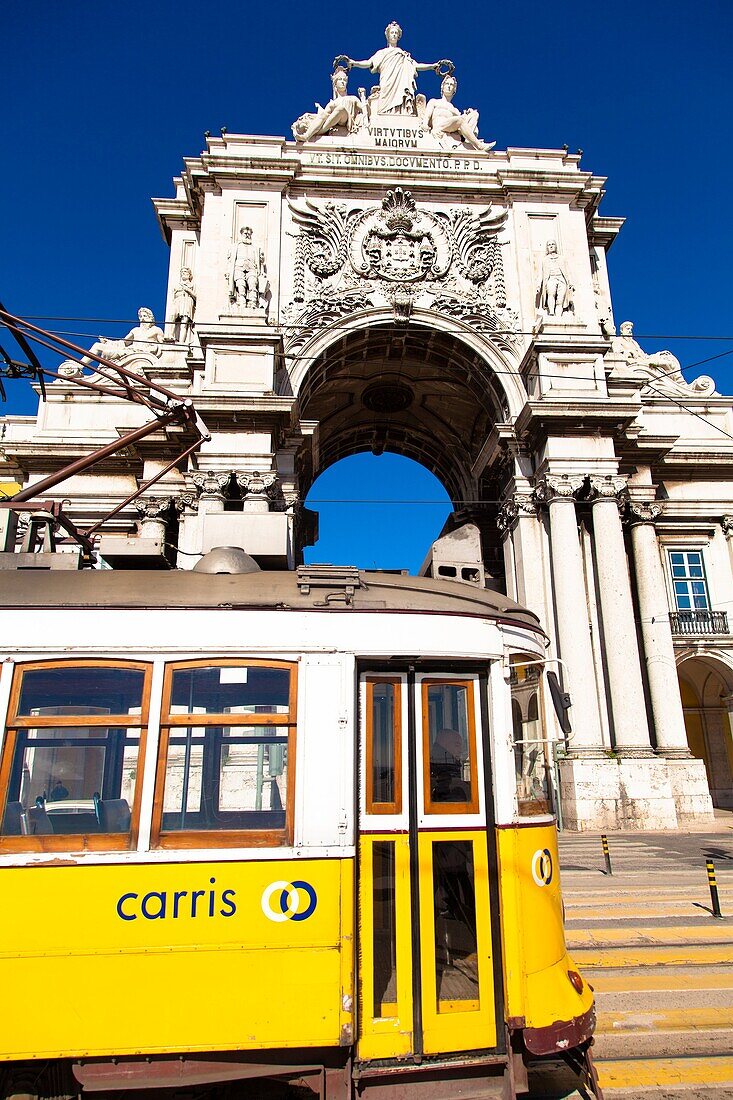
(392, 280)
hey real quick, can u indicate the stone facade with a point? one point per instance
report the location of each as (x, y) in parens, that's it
(389, 280)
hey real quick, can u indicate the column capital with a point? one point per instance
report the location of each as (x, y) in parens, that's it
(557, 487)
(184, 500)
(211, 483)
(643, 511)
(153, 508)
(514, 507)
(254, 483)
(727, 524)
(606, 487)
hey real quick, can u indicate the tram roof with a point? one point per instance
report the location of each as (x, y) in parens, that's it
(281, 590)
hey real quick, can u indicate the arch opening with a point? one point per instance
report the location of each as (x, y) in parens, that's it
(706, 688)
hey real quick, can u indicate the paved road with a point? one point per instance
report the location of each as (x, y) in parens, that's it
(661, 966)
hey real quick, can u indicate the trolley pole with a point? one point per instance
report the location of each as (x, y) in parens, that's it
(712, 883)
(606, 854)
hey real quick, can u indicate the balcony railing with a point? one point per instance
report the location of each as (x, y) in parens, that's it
(699, 622)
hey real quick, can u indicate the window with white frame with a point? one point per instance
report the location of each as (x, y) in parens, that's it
(688, 580)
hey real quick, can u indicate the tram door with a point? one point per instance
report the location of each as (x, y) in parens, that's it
(426, 958)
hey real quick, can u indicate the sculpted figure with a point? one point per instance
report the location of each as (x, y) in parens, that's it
(397, 73)
(443, 118)
(247, 279)
(661, 367)
(184, 302)
(343, 110)
(145, 338)
(555, 291)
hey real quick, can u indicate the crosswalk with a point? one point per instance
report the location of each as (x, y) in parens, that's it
(660, 964)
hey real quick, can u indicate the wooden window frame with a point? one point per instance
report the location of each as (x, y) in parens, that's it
(65, 842)
(224, 838)
(461, 808)
(394, 807)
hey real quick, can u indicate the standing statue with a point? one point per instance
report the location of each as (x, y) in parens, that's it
(555, 292)
(443, 118)
(343, 110)
(146, 338)
(184, 303)
(247, 279)
(397, 73)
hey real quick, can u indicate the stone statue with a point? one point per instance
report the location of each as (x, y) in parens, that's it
(661, 369)
(343, 110)
(555, 292)
(397, 73)
(247, 279)
(443, 118)
(146, 338)
(184, 303)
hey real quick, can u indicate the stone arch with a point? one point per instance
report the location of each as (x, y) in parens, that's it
(432, 389)
(706, 688)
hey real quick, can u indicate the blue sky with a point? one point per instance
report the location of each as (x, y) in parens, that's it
(102, 100)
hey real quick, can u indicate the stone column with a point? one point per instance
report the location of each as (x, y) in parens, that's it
(257, 489)
(664, 690)
(519, 525)
(631, 730)
(571, 609)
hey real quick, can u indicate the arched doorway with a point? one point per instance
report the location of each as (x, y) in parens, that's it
(706, 688)
(426, 390)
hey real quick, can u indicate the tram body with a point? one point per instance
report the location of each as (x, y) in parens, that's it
(266, 833)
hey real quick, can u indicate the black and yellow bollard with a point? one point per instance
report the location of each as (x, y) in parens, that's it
(712, 883)
(606, 854)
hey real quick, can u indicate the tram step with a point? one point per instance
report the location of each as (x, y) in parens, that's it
(710, 1077)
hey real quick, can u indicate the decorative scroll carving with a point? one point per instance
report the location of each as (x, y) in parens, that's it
(552, 486)
(256, 484)
(153, 508)
(643, 511)
(661, 370)
(211, 483)
(727, 524)
(514, 508)
(350, 258)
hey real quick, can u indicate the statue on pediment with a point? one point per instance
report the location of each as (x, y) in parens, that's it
(343, 110)
(661, 369)
(443, 119)
(144, 339)
(397, 72)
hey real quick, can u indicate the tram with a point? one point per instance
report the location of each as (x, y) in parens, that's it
(265, 834)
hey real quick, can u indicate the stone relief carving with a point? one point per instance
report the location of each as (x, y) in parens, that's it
(727, 524)
(555, 293)
(661, 369)
(343, 112)
(184, 304)
(211, 483)
(350, 258)
(513, 508)
(564, 486)
(246, 277)
(446, 123)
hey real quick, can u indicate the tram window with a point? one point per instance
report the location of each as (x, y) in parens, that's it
(384, 747)
(530, 744)
(385, 929)
(449, 747)
(72, 756)
(226, 755)
(454, 892)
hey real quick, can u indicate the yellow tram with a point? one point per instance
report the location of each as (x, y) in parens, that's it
(265, 832)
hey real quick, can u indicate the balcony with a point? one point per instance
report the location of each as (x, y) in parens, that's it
(699, 622)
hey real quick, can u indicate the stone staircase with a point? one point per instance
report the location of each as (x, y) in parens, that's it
(660, 965)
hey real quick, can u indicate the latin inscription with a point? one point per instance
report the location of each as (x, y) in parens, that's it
(389, 160)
